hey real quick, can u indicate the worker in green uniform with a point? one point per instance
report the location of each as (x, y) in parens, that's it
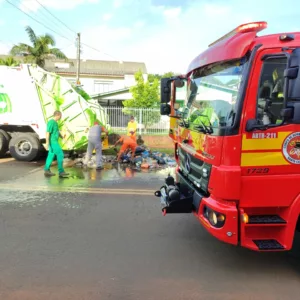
(53, 146)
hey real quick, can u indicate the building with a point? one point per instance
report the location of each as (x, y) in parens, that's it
(106, 81)
(110, 80)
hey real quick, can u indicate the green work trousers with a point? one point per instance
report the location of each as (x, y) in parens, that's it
(55, 150)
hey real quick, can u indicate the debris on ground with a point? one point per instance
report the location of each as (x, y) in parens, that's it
(78, 162)
(147, 159)
(144, 159)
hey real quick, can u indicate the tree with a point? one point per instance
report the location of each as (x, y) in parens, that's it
(41, 48)
(9, 61)
(145, 95)
(151, 77)
(168, 74)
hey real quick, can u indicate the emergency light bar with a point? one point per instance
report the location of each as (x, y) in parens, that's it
(244, 28)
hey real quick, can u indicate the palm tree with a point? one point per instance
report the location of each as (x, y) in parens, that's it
(9, 61)
(41, 48)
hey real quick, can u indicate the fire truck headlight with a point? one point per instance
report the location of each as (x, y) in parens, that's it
(216, 219)
(212, 218)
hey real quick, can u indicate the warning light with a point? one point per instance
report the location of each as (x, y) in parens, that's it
(245, 218)
(244, 28)
(252, 27)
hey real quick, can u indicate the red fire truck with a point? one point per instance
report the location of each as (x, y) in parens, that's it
(237, 139)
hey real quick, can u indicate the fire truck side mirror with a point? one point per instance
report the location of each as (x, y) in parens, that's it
(165, 109)
(292, 76)
(253, 124)
(165, 90)
(179, 83)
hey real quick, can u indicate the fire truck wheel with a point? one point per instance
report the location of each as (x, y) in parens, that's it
(4, 141)
(25, 147)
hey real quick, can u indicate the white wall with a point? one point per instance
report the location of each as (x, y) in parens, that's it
(92, 85)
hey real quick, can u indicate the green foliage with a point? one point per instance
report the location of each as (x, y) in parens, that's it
(41, 48)
(9, 61)
(168, 74)
(144, 95)
(152, 77)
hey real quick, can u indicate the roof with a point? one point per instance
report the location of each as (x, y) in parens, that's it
(97, 67)
(92, 67)
(111, 93)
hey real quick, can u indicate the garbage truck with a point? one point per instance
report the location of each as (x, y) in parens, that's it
(237, 139)
(29, 95)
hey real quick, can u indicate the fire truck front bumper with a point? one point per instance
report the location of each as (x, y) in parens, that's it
(220, 218)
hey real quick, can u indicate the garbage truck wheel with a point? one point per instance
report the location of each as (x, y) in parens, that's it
(25, 147)
(4, 141)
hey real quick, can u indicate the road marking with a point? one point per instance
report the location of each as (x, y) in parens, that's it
(13, 185)
(76, 190)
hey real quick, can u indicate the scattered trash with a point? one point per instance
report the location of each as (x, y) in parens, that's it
(106, 161)
(145, 159)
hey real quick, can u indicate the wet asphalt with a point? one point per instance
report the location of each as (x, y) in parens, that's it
(101, 235)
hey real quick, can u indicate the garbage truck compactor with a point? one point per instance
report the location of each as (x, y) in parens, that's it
(28, 98)
(237, 139)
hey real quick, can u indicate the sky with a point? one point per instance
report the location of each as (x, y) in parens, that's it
(164, 34)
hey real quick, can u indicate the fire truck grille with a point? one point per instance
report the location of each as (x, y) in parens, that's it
(194, 170)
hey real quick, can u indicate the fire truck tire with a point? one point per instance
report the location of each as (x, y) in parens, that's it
(25, 147)
(4, 142)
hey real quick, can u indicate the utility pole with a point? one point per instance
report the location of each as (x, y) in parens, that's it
(78, 60)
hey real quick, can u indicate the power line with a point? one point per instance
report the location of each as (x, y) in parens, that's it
(41, 23)
(46, 20)
(36, 20)
(55, 17)
(100, 51)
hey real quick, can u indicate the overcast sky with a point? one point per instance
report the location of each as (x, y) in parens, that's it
(165, 34)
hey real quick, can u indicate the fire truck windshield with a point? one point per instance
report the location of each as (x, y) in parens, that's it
(212, 94)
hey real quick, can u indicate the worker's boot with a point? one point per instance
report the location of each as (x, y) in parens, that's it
(100, 168)
(48, 173)
(64, 174)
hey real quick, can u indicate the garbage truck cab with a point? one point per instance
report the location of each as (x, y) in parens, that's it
(237, 139)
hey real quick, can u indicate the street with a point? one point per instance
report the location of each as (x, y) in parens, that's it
(101, 235)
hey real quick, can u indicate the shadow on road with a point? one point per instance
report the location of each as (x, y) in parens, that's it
(236, 259)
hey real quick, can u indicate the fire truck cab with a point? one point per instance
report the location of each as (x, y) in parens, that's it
(237, 139)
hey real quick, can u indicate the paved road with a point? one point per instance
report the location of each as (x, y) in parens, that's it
(81, 238)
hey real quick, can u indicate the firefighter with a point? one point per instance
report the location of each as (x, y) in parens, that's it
(53, 147)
